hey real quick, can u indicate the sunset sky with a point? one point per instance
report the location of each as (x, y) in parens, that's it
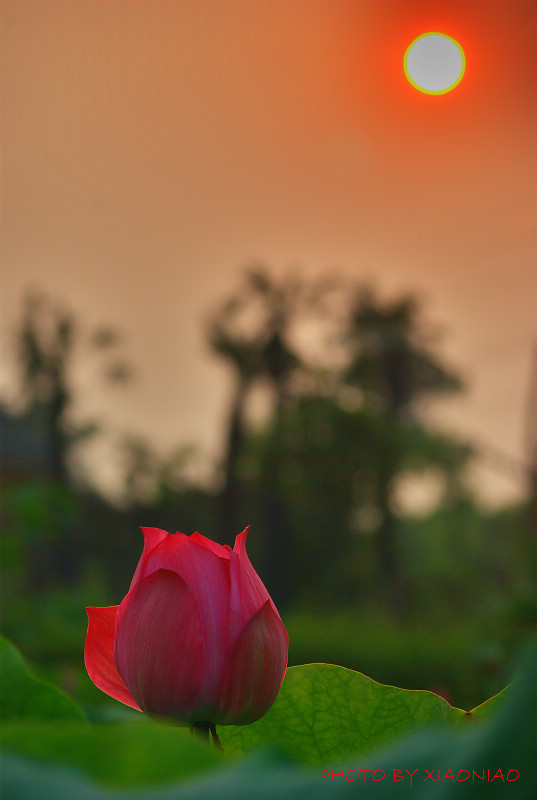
(151, 150)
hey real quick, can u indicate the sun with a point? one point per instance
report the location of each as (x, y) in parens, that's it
(434, 63)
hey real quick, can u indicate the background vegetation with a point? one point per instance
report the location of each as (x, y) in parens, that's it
(435, 601)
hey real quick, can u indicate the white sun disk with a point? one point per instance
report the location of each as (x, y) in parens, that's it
(434, 63)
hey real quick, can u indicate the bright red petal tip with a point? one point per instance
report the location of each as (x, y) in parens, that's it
(214, 547)
(247, 591)
(152, 538)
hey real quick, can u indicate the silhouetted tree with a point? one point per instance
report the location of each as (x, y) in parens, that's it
(392, 364)
(251, 332)
(46, 343)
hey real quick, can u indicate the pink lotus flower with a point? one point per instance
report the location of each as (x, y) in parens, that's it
(197, 637)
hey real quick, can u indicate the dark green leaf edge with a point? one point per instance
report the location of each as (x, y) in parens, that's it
(297, 716)
(24, 695)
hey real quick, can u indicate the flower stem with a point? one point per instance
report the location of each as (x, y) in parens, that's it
(201, 731)
(216, 740)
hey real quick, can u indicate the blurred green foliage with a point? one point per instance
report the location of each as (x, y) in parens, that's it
(155, 760)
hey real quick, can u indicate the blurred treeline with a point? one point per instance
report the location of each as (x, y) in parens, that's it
(325, 429)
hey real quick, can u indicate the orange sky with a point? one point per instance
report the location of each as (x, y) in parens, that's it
(152, 149)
